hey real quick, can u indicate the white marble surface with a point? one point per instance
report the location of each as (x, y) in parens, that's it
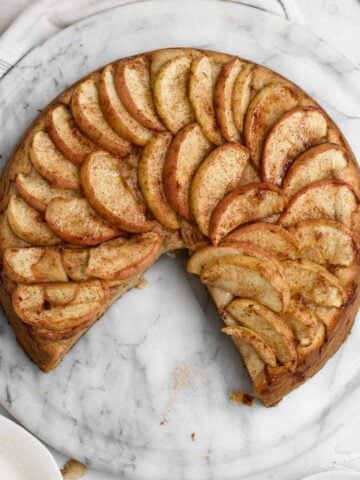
(182, 380)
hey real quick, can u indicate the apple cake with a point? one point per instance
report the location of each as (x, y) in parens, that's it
(186, 149)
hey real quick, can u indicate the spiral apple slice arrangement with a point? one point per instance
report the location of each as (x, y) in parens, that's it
(183, 148)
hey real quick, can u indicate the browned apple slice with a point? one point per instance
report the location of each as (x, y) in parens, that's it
(58, 306)
(132, 80)
(224, 97)
(296, 131)
(186, 152)
(326, 242)
(51, 163)
(86, 109)
(270, 326)
(327, 199)
(247, 204)
(37, 192)
(303, 321)
(150, 171)
(116, 114)
(75, 261)
(248, 277)
(160, 57)
(220, 172)
(313, 283)
(242, 93)
(121, 259)
(201, 95)
(28, 224)
(76, 222)
(109, 194)
(54, 335)
(34, 265)
(262, 348)
(275, 238)
(66, 136)
(321, 162)
(206, 254)
(264, 111)
(171, 93)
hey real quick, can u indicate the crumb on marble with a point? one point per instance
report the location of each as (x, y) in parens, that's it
(193, 436)
(142, 283)
(241, 397)
(72, 470)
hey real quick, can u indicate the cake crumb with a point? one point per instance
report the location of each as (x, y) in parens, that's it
(241, 397)
(142, 283)
(73, 470)
(193, 436)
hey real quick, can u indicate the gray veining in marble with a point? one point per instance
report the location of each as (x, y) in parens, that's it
(155, 369)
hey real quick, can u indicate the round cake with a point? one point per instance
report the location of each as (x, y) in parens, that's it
(186, 149)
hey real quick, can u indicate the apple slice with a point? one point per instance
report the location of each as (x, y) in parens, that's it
(171, 93)
(201, 95)
(28, 224)
(220, 297)
(34, 265)
(129, 172)
(109, 194)
(116, 114)
(326, 242)
(51, 163)
(249, 175)
(250, 337)
(219, 173)
(76, 222)
(321, 162)
(242, 94)
(66, 136)
(313, 283)
(270, 326)
(121, 259)
(75, 261)
(248, 277)
(275, 238)
(132, 80)
(247, 204)
(296, 131)
(160, 57)
(327, 199)
(58, 306)
(150, 171)
(37, 192)
(186, 152)
(209, 253)
(223, 99)
(316, 343)
(8, 239)
(86, 109)
(303, 322)
(264, 111)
